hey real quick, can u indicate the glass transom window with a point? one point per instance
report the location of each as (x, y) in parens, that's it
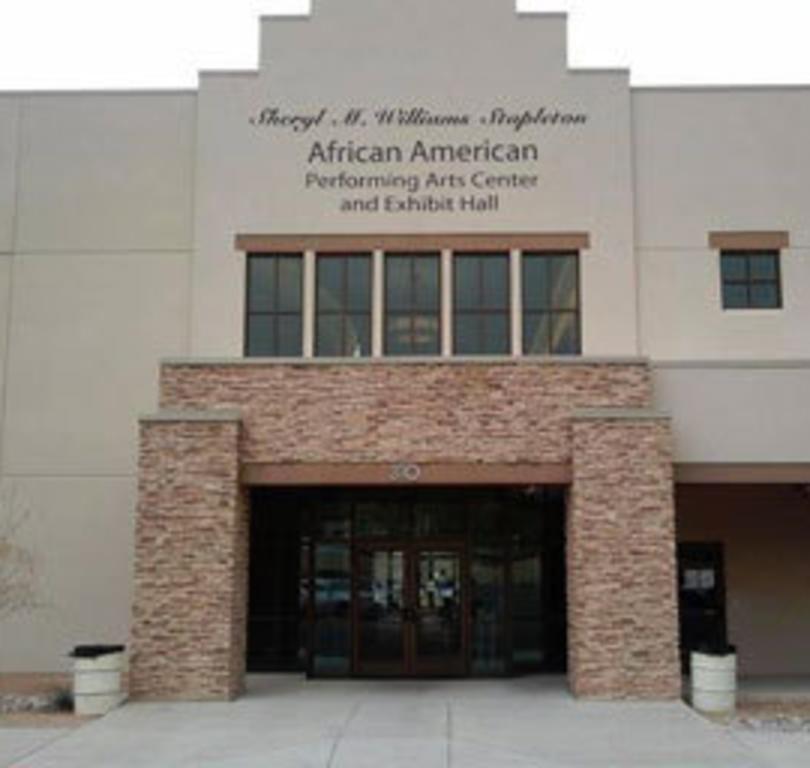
(412, 304)
(551, 304)
(481, 304)
(750, 279)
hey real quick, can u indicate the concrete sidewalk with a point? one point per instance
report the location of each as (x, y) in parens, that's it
(18, 743)
(285, 721)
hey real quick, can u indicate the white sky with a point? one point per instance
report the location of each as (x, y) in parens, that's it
(54, 44)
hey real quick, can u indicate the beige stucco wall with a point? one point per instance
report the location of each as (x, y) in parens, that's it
(85, 335)
(95, 241)
(9, 117)
(719, 159)
(736, 412)
(104, 172)
(9, 124)
(250, 178)
(766, 536)
(5, 306)
(80, 533)
(87, 331)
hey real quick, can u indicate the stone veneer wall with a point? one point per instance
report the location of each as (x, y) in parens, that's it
(622, 599)
(382, 411)
(191, 540)
(191, 548)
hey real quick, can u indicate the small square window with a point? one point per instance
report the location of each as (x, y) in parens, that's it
(751, 280)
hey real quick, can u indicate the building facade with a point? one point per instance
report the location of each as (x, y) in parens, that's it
(398, 358)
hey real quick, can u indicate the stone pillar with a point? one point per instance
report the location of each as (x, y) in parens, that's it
(191, 549)
(622, 598)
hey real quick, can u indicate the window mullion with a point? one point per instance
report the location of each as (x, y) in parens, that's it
(376, 321)
(308, 304)
(446, 284)
(515, 302)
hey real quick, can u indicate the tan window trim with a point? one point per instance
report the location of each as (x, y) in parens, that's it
(539, 241)
(743, 473)
(770, 241)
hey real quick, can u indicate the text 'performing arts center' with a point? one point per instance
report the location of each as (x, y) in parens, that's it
(390, 359)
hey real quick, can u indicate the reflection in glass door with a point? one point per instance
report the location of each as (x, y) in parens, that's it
(438, 612)
(380, 611)
(527, 631)
(488, 587)
(409, 611)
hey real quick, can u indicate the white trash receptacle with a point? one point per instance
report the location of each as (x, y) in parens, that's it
(97, 678)
(714, 681)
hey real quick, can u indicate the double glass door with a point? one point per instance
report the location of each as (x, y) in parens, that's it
(410, 606)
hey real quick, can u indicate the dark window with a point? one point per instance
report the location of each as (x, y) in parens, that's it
(751, 279)
(279, 581)
(551, 304)
(343, 322)
(481, 304)
(412, 304)
(274, 300)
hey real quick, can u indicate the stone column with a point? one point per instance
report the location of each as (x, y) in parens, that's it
(622, 598)
(191, 549)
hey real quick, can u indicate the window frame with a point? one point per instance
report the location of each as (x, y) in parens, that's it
(276, 257)
(343, 313)
(412, 312)
(749, 282)
(552, 310)
(506, 256)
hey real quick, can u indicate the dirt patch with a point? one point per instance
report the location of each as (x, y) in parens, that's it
(54, 702)
(42, 720)
(782, 717)
(774, 716)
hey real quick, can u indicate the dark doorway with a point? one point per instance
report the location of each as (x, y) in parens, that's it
(407, 581)
(702, 598)
(276, 595)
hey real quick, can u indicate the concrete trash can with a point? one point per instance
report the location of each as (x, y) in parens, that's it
(714, 680)
(97, 678)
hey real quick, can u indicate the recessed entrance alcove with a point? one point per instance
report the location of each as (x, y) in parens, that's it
(407, 582)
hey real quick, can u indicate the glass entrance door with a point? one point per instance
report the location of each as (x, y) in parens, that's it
(410, 610)
(380, 611)
(438, 612)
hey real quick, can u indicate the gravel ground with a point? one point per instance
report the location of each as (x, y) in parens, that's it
(18, 702)
(41, 710)
(785, 717)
